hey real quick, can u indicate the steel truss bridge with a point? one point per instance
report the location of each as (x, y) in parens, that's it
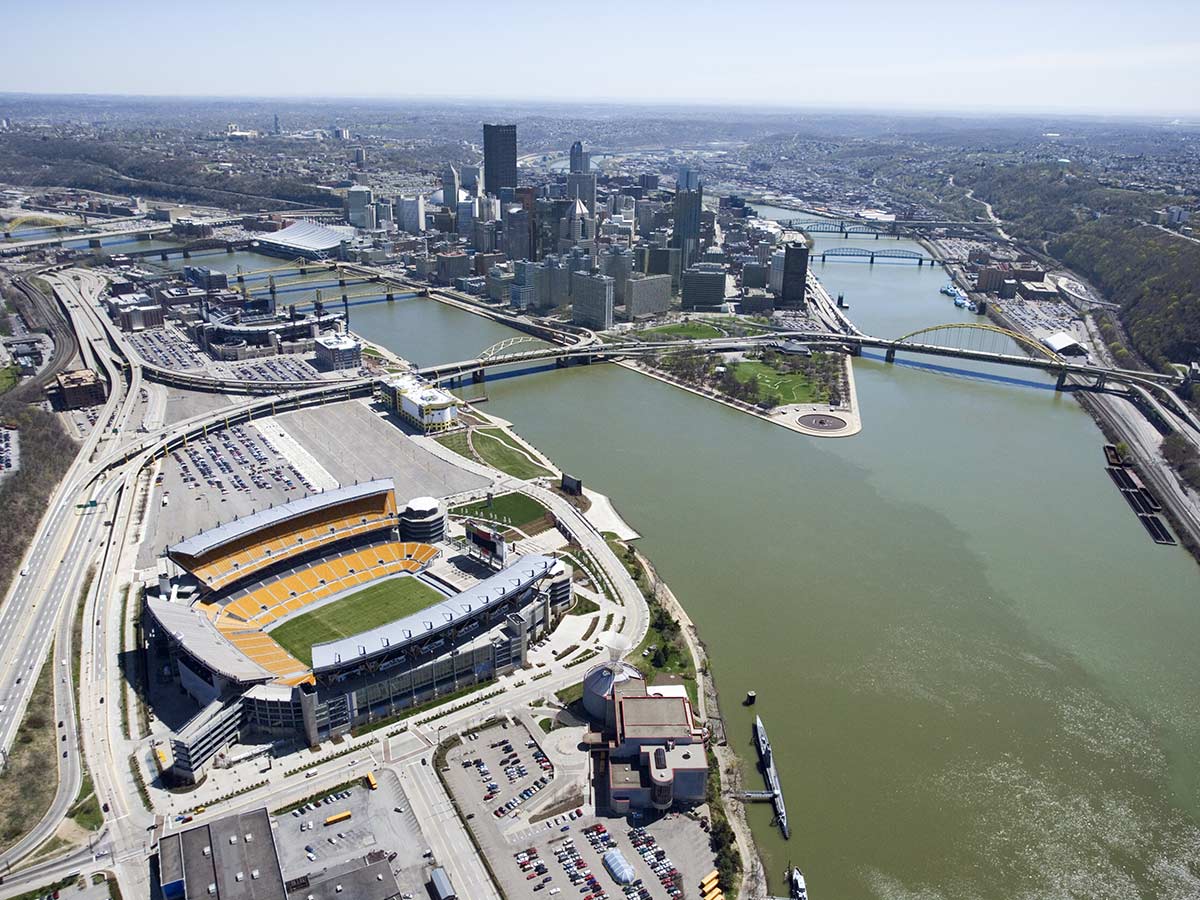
(871, 255)
(932, 341)
(867, 226)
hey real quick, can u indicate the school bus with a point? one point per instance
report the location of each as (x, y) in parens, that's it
(708, 882)
(371, 782)
(338, 817)
(714, 894)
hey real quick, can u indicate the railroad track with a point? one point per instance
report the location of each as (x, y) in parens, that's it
(65, 345)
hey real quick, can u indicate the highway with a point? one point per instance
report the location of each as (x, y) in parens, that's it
(111, 469)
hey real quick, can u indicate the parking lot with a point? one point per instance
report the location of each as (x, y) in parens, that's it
(541, 848)
(10, 451)
(379, 820)
(664, 860)
(168, 349)
(231, 472)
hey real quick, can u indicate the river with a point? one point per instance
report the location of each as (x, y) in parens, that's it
(977, 670)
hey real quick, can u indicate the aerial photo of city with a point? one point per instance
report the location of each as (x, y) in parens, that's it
(680, 451)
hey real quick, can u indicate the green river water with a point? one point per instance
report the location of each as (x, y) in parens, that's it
(978, 672)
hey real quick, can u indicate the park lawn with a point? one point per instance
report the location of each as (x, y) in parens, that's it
(8, 378)
(501, 454)
(687, 330)
(363, 610)
(498, 451)
(515, 509)
(790, 388)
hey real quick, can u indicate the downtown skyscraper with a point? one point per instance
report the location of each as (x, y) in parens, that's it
(499, 158)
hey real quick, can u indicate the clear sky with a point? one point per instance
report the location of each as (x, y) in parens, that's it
(1102, 56)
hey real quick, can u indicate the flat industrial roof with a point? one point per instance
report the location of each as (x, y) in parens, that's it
(231, 531)
(651, 718)
(232, 858)
(200, 638)
(432, 619)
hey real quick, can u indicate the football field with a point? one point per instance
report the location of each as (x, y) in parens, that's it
(369, 608)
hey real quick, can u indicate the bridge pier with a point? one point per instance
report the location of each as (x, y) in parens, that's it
(1101, 380)
(1062, 380)
(890, 356)
(187, 254)
(342, 282)
(390, 297)
(561, 362)
(877, 235)
(229, 248)
(145, 236)
(477, 376)
(872, 260)
(164, 256)
(93, 242)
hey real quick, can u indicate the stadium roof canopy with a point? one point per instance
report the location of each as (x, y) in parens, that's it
(309, 237)
(200, 638)
(213, 538)
(435, 618)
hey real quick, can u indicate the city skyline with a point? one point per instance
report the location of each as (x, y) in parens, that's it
(1071, 58)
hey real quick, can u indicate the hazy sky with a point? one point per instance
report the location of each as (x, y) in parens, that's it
(1057, 55)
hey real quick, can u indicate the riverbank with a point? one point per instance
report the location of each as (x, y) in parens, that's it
(604, 516)
(729, 764)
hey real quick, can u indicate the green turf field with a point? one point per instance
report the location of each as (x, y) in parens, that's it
(686, 330)
(369, 608)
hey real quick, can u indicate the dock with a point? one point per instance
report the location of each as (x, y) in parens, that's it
(774, 792)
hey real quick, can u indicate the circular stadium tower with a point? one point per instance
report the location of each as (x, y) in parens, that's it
(422, 520)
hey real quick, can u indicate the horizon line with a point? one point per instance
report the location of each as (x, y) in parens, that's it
(974, 112)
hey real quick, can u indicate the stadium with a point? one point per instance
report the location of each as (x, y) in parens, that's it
(330, 612)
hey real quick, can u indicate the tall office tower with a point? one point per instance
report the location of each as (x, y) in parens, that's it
(592, 300)
(582, 185)
(548, 213)
(359, 200)
(580, 158)
(648, 182)
(795, 275)
(484, 239)
(360, 156)
(472, 180)
(464, 221)
(578, 227)
(489, 209)
(525, 286)
(688, 208)
(647, 295)
(557, 282)
(703, 286)
(450, 187)
(499, 158)
(666, 261)
(516, 233)
(617, 264)
(383, 212)
(278, 130)
(410, 214)
(775, 278)
(687, 179)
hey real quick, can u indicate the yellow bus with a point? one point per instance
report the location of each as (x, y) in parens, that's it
(714, 894)
(338, 817)
(371, 782)
(708, 882)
